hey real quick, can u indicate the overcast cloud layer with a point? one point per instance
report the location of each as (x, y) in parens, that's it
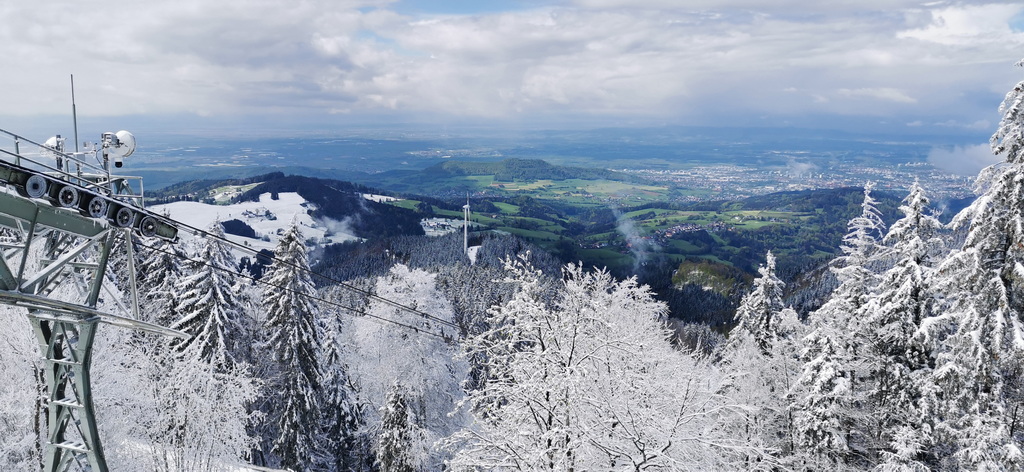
(909, 64)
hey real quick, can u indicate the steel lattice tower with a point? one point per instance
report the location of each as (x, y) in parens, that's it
(58, 228)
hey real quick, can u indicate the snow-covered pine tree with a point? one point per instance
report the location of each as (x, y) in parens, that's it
(205, 382)
(163, 268)
(762, 356)
(339, 415)
(979, 374)
(757, 315)
(292, 342)
(168, 410)
(117, 263)
(208, 307)
(855, 270)
(822, 419)
(840, 334)
(901, 359)
(396, 439)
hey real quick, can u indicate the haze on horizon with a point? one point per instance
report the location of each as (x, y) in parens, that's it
(902, 66)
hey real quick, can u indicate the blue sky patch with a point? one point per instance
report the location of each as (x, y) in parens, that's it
(463, 7)
(1017, 22)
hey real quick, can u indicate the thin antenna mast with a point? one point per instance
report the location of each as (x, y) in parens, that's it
(465, 227)
(74, 112)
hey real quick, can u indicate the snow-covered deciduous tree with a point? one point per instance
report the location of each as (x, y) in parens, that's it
(294, 373)
(22, 422)
(203, 416)
(209, 310)
(588, 381)
(423, 363)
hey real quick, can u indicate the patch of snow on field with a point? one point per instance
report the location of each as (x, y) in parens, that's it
(378, 198)
(270, 218)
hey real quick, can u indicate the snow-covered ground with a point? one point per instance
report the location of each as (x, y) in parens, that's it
(378, 198)
(268, 217)
(440, 226)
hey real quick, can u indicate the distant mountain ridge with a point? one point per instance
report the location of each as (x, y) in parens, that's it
(332, 199)
(343, 201)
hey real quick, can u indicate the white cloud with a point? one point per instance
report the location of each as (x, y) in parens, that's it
(966, 160)
(969, 25)
(590, 58)
(792, 6)
(879, 93)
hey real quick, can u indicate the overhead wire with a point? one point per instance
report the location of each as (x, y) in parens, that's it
(300, 293)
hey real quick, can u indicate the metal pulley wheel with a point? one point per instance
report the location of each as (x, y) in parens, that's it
(67, 196)
(96, 208)
(148, 226)
(124, 217)
(35, 186)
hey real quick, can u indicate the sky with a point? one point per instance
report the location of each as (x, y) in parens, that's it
(895, 65)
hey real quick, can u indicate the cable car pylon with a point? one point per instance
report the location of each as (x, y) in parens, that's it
(58, 226)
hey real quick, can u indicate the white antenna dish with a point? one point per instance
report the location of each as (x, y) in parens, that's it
(118, 146)
(55, 143)
(126, 144)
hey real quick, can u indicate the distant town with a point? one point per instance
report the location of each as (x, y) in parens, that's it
(729, 181)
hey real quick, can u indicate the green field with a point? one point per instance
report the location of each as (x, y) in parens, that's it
(583, 216)
(580, 191)
(724, 236)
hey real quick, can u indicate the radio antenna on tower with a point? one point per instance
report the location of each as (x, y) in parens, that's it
(74, 112)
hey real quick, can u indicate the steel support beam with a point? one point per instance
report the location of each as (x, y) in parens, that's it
(66, 345)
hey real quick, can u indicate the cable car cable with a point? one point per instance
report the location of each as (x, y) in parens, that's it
(310, 296)
(203, 233)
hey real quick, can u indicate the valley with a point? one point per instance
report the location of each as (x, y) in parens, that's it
(713, 211)
(668, 245)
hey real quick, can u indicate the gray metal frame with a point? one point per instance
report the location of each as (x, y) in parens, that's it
(72, 248)
(73, 437)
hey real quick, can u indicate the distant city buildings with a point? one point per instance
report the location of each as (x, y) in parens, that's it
(729, 181)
